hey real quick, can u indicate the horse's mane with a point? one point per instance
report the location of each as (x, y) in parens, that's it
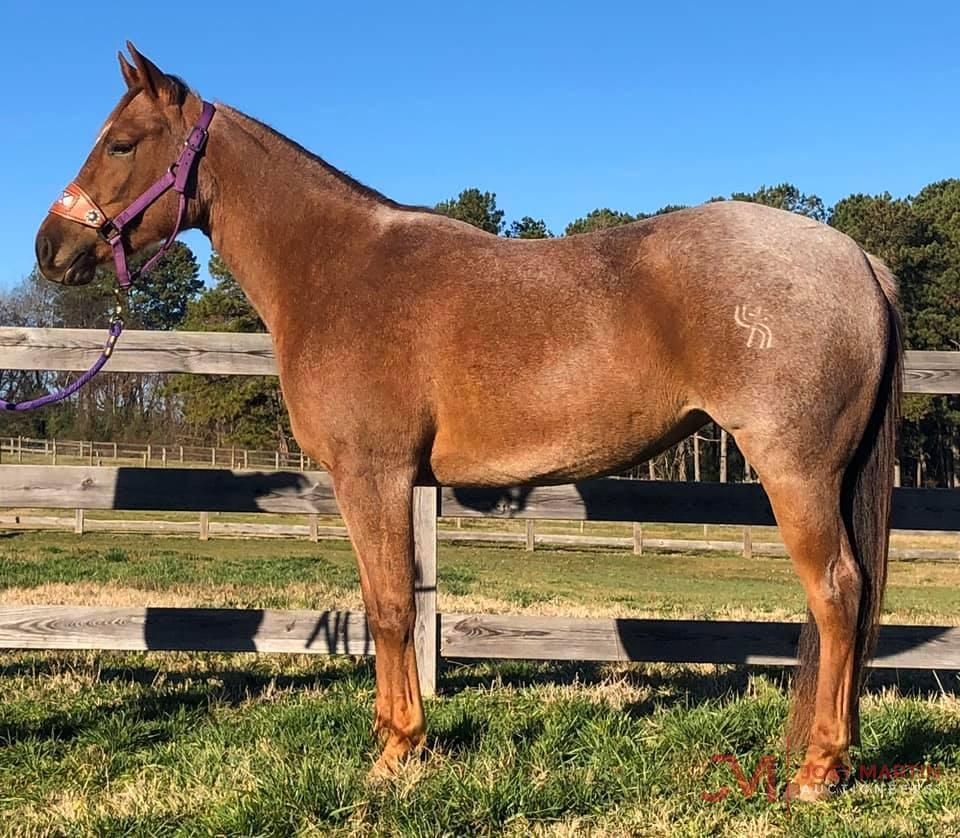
(352, 183)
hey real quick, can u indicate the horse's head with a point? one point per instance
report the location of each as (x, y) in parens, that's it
(140, 139)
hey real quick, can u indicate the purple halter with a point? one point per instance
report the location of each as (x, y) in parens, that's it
(75, 205)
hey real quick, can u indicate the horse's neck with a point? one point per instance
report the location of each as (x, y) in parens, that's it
(276, 216)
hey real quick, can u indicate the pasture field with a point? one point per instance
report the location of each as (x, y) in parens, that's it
(217, 744)
(947, 542)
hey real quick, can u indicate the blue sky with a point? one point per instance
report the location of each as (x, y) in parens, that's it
(558, 108)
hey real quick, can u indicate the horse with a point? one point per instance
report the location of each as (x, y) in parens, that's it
(414, 348)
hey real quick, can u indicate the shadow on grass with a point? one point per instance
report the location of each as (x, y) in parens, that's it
(232, 686)
(916, 740)
(684, 683)
(668, 682)
(901, 738)
(63, 727)
(464, 735)
(196, 692)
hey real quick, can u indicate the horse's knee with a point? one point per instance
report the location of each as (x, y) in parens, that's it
(392, 616)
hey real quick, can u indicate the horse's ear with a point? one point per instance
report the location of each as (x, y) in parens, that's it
(155, 83)
(127, 71)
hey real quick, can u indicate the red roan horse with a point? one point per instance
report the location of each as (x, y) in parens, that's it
(412, 347)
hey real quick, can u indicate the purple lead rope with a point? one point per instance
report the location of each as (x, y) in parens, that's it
(176, 177)
(116, 326)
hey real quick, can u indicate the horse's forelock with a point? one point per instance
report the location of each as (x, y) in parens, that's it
(179, 85)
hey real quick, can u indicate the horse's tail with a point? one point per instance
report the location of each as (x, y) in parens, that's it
(866, 499)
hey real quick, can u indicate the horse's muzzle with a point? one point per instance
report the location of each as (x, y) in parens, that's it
(69, 263)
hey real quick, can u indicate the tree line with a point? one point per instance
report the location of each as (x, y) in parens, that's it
(918, 236)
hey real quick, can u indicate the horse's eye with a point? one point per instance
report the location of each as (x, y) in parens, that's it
(118, 148)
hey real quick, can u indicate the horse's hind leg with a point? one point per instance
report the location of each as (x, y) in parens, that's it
(826, 694)
(376, 507)
(825, 702)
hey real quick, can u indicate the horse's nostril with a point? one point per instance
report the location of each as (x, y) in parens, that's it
(44, 250)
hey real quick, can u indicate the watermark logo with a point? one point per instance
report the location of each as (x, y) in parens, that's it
(766, 772)
(764, 777)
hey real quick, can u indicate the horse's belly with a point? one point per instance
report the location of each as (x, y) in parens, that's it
(494, 451)
(508, 465)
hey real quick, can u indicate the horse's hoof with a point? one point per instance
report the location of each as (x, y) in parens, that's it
(394, 759)
(383, 771)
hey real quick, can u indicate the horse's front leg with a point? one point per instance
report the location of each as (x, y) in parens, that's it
(376, 506)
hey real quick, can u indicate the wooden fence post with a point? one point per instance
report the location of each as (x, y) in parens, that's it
(696, 457)
(276, 460)
(748, 542)
(427, 630)
(19, 449)
(181, 453)
(204, 526)
(314, 528)
(531, 536)
(213, 456)
(78, 522)
(637, 539)
(163, 456)
(723, 456)
(246, 461)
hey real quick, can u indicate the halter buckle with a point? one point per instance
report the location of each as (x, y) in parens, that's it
(108, 231)
(196, 145)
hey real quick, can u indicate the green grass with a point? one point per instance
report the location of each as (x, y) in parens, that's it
(215, 744)
(147, 744)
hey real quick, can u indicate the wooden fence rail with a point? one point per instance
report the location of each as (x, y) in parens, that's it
(458, 636)
(227, 353)
(294, 492)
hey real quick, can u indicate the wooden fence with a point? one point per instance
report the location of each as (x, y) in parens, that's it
(17, 449)
(437, 635)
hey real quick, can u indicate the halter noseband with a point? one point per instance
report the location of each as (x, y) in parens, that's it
(76, 205)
